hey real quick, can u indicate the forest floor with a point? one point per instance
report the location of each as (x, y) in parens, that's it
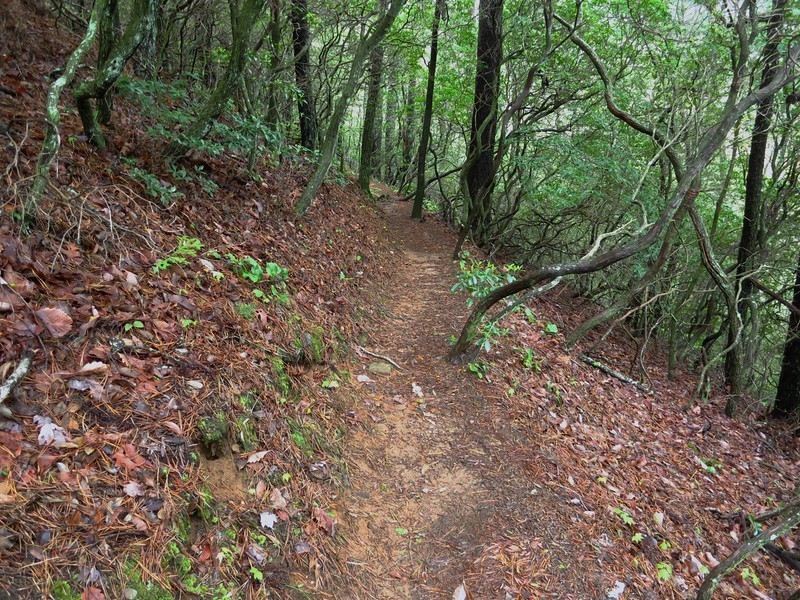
(434, 474)
(186, 431)
(454, 495)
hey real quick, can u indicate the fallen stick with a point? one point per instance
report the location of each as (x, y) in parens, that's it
(14, 379)
(382, 357)
(608, 370)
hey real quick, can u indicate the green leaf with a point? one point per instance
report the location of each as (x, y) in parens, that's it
(664, 571)
(637, 537)
(401, 530)
(551, 328)
(257, 574)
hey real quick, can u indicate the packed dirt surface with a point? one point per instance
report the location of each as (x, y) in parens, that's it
(432, 482)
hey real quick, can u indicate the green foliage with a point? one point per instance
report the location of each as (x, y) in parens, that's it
(624, 516)
(133, 325)
(478, 368)
(637, 537)
(479, 277)
(188, 247)
(551, 328)
(154, 187)
(246, 310)
(62, 590)
(664, 571)
(529, 360)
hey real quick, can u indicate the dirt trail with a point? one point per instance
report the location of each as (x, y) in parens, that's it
(432, 481)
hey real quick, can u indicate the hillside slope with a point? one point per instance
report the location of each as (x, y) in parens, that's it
(205, 415)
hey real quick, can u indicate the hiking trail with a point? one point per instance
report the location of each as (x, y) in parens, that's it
(434, 481)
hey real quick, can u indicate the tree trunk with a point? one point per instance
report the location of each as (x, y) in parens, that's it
(109, 31)
(366, 46)
(752, 237)
(368, 146)
(52, 138)
(142, 19)
(242, 21)
(709, 145)
(407, 135)
(787, 399)
(390, 134)
(419, 195)
(480, 154)
(301, 41)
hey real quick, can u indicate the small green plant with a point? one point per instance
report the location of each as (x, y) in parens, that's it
(188, 247)
(478, 277)
(664, 571)
(551, 329)
(186, 323)
(637, 537)
(250, 269)
(478, 368)
(749, 574)
(154, 187)
(711, 465)
(213, 431)
(133, 325)
(555, 392)
(246, 310)
(624, 516)
(256, 574)
(529, 360)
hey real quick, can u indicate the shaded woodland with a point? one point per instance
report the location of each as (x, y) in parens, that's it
(643, 157)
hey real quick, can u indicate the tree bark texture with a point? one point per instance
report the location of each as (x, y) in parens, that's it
(52, 139)
(301, 42)
(787, 399)
(752, 237)
(427, 115)
(243, 18)
(480, 154)
(142, 19)
(368, 131)
(328, 148)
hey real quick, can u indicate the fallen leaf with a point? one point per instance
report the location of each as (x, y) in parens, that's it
(277, 499)
(58, 322)
(92, 593)
(268, 520)
(460, 593)
(133, 489)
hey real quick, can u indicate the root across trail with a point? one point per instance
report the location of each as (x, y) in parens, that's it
(436, 491)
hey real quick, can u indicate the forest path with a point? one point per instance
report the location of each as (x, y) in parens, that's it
(434, 481)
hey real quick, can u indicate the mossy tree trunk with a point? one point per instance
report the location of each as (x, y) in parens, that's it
(379, 30)
(142, 18)
(753, 233)
(243, 18)
(52, 139)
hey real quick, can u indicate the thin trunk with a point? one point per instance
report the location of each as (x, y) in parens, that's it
(407, 135)
(301, 41)
(427, 115)
(52, 138)
(787, 399)
(752, 237)
(242, 21)
(142, 19)
(332, 134)
(370, 113)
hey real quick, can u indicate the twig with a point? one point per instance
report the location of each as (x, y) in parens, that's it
(381, 356)
(606, 369)
(14, 379)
